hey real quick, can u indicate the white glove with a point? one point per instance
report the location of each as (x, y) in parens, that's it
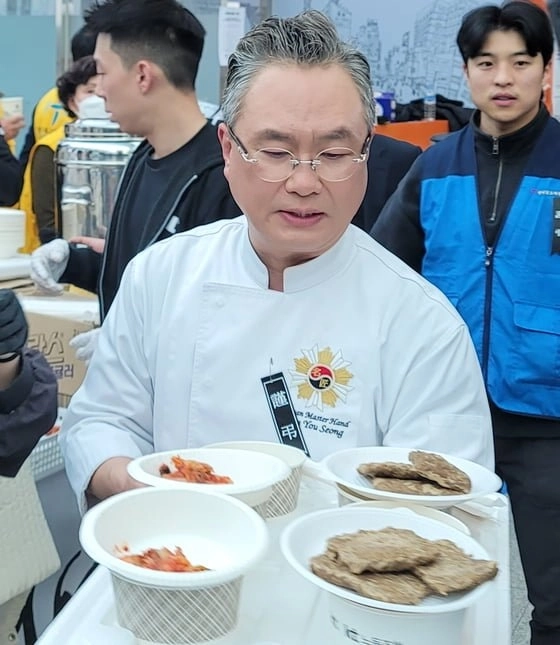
(85, 344)
(48, 263)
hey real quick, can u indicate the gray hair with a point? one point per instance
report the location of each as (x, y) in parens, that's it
(310, 38)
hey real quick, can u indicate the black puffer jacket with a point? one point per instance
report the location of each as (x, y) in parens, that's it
(28, 409)
(452, 111)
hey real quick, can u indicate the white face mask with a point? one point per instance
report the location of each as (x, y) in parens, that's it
(93, 107)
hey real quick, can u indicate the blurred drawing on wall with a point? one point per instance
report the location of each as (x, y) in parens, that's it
(410, 44)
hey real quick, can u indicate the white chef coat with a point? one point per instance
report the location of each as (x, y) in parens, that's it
(194, 330)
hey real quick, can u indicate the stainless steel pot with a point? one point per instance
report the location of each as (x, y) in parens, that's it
(89, 164)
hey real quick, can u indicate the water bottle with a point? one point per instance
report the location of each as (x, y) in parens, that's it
(430, 105)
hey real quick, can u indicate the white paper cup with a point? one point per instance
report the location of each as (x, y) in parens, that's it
(285, 493)
(253, 474)
(425, 511)
(347, 496)
(352, 622)
(215, 530)
(11, 105)
(12, 232)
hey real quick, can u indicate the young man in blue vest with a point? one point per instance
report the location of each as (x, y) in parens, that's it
(479, 216)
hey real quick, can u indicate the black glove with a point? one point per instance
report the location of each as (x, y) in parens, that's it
(13, 326)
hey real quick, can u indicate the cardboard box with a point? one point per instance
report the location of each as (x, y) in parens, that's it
(51, 335)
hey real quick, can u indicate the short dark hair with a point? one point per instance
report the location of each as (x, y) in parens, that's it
(521, 16)
(161, 31)
(83, 43)
(78, 73)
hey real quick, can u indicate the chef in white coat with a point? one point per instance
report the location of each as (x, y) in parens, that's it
(287, 324)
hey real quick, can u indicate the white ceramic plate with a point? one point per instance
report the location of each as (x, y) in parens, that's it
(250, 471)
(342, 467)
(307, 536)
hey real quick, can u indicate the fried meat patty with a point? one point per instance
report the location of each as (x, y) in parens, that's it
(389, 549)
(402, 588)
(438, 469)
(454, 570)
(389, 469)
(411, 486)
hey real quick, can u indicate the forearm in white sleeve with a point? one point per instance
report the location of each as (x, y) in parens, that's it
(111, 414)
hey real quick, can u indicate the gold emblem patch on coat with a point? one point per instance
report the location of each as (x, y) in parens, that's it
(322, 377)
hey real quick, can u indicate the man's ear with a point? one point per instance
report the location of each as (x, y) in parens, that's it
(145, 75)
(225, 142)
(547, 76)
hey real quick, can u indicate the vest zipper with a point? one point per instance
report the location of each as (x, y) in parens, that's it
(489, 266)
(496, 151)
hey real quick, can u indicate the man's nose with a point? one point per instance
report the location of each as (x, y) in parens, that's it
(304, 179)
(503, 74)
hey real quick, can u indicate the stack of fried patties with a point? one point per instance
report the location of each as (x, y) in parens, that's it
(426, 474)
(398, 566)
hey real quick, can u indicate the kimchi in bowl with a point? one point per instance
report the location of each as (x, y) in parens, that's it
(217, 533)
(251, 474)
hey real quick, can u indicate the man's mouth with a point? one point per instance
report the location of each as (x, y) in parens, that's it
(504, 99)
(303, 214)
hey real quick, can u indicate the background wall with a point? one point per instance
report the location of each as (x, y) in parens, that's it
(410, 44)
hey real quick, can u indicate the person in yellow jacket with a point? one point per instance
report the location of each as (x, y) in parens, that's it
(49, 113)
(38, 196)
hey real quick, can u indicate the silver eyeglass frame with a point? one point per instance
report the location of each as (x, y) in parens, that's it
(313, 163)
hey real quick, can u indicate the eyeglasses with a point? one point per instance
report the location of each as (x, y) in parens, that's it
(277, 164)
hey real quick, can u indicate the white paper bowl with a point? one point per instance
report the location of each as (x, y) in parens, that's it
(369, 625)
(424, 511)
(12, 232)
(307, 536)
(342, 468)
(214, 530)
(285, 493)
(253, 473)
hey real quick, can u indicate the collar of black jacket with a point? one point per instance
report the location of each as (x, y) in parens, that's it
(509, 145)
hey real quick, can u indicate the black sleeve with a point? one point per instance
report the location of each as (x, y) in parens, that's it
(388, 162)
(28, 143)
(209, 201)
(83, 268)
(11, 175)
(398, 227)
(28, 409)
(43, 187)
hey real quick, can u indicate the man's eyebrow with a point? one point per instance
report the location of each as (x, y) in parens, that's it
(524, 52)
(269, 134)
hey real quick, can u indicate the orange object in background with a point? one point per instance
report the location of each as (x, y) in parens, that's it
(418, 133)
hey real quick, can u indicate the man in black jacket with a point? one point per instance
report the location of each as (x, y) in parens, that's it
(388, 162)
(147, 55)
